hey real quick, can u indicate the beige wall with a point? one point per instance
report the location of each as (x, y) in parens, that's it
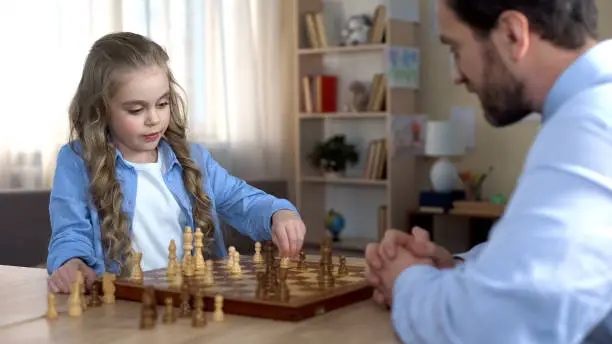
(506, 148)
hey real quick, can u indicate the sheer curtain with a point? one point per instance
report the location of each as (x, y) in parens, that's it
(240, 118)
(224, 53)
(44, 45)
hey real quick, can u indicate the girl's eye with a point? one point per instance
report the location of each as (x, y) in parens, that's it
(134, 111)
(162, 105)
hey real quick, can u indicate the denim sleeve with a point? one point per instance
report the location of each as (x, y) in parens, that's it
(71, 228)
(244, 207)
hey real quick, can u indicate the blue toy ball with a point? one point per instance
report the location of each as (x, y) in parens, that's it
(334, 222)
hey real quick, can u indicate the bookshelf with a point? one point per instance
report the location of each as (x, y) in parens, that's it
(380, 189)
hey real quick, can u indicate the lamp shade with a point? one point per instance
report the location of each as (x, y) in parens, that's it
(443, 139)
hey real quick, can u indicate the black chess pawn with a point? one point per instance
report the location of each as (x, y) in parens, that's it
(283, 286)
(342, 268)
(260, 291)
(302, 262)
(148, 313)
(95, 300)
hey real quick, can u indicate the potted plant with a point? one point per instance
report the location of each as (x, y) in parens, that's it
(333, 156)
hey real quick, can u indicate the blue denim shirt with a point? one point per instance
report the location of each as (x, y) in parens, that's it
(75, 222)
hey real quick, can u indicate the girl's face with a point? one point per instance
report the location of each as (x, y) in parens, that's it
(140, 113)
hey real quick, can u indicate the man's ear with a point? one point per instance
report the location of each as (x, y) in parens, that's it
(512, 36)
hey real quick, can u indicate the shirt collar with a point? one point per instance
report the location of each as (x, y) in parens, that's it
(590, 69)
(165, 152)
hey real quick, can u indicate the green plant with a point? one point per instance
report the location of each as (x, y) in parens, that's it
(334, 154)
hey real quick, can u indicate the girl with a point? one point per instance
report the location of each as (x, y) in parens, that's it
(128, 180)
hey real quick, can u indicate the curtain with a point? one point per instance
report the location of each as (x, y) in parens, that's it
(224, 53)
(241, 118)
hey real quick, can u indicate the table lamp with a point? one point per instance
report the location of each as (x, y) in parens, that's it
(443, 141)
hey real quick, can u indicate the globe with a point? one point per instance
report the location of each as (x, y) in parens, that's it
(334, 223)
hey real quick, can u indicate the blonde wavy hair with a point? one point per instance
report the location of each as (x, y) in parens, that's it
(89, 124)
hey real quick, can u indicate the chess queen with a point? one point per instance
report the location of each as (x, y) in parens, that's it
(128, 180)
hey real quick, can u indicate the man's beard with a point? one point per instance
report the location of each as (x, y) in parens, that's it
(502, 96)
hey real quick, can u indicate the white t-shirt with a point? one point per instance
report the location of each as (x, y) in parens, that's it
(156, 216)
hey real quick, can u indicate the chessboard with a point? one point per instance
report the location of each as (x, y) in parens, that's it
(267, 287)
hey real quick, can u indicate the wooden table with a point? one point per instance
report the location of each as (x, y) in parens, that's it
(24, 322)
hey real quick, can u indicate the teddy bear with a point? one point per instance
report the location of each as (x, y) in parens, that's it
(360, 97)
(356, 30)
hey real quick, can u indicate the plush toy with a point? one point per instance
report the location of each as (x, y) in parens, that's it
(356, 30)
(360, 97)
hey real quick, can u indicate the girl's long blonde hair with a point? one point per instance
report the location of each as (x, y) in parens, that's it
(89, 124)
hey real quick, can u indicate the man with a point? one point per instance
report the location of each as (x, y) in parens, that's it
(545, 274)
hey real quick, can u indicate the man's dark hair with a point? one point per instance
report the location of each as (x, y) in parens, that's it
(565, 23)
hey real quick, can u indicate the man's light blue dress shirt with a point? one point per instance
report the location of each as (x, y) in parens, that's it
(545, 274)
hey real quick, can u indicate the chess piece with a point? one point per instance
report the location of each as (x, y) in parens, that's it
(342, 268)
(75, 308)
(95, 300)
(268, 253)
(81, 284)
(208, 275)
(187, 257)
(325, 276)
(257, 257)
(284, 263)
(230, 254)
(169, 314)
(177, 281)
(199, 263)
(283, 286)
(198, 318)
(51, 311)
(270, 278)
(185, 307)
(260, 291)
(218, 313)
(302, 262)
(172, 263)
(236, 268)
(148, 313)
(137, 274)
(108, 288)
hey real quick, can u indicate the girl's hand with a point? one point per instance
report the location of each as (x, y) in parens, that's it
(62, 278)
(288, 232)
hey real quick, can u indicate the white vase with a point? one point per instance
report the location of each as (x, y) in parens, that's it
(443, 176)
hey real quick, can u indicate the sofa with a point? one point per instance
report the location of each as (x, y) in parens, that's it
(25, 226)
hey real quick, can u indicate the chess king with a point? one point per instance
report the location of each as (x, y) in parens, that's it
(128, 180)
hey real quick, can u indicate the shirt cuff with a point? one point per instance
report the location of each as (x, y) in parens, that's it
(280, 204)
(60, 258)
(415, 274)
(408, 285)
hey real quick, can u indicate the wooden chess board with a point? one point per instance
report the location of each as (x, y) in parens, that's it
(307, 298)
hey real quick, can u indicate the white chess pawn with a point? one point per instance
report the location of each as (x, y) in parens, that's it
(284, 263)
(230, 253)
(236, 268)
(257, 258)
(208, 273)
(218, 313)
